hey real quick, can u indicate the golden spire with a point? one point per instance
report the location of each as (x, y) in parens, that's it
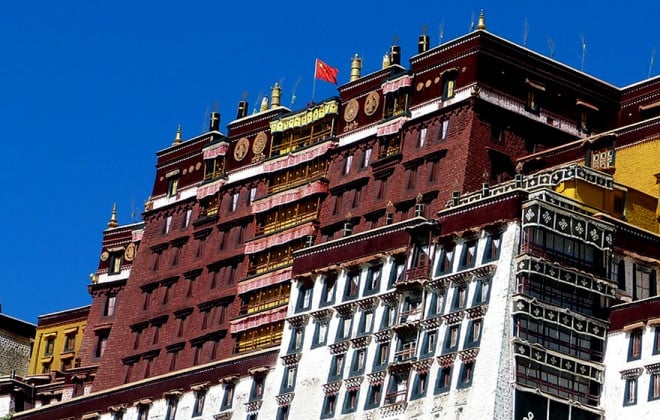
(275, 94)
(112, 223)
(264, 104)
(482, 21)
(177, 139)
(356, 67)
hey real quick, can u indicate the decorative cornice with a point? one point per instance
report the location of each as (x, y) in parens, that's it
(252, 407)
(431, 323)
(376, 378)
(367, 304)
(284, 399)
(383, 336)
(354, 383)
(346, 309)
(446, 360)
(476, 312)
(422, 366)
(393, 409)
(339, 348)
(298, 321)
(289, 360)
(453, 318)
(468, 355)
(332, 388)
(361, 342)
(653, 369)
(322, 315)
(631, 373)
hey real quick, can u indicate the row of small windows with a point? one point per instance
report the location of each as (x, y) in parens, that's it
(399, 389)
(370, 280)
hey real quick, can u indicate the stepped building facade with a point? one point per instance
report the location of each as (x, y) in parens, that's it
(463, 237)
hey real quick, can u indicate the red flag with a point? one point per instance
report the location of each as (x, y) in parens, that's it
(325, 72)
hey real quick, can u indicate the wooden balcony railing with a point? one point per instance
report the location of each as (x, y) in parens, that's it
(283, 224)
(264, 304)
(407, 352)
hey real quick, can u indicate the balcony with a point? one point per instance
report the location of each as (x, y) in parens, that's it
(298, 139)
(263, 304)
(593, 267)
(420, 273)
(406, 353)
(277, 224)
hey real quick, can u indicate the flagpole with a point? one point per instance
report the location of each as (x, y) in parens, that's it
(314, 78)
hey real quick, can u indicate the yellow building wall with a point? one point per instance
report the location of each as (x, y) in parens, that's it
(635, 207)
(42, 357)
(637, 165)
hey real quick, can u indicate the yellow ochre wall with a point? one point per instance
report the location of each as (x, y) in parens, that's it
(59, 332)
(637, 165)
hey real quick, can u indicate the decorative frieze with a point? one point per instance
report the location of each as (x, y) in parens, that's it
(476, 312)
(298, 321)
(346, 309)
(322, 315)
(354, 383)
(631, 373)
(653, 369)
(383, 336)
(361, 342)
(252, 407)
(446, 360)
(394, 409)
(538, 266)
(376, 378)
(292, 359)
(568, 223)
(557, 360)
(367, 304)
(560, 316)
(332, 388)
(454, 318)
(284, 399)
(339, 348)
(422, 366)
(431, 323)
(468, 355)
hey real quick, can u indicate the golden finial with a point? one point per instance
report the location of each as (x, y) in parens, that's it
(264, 104)
(112, 223)
(386, 60)
(356, 67)
(482, 21)
(177, 139)
(275, 95)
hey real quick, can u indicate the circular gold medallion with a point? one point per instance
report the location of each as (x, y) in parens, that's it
(129, 253)
(371, 104)
(259, 143)
(241, 149)
(351, 110)
(105, 255)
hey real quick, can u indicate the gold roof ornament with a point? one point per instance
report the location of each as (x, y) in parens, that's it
(264, 104)
(177, 139)
(275, 95)
(481, 24)
(112, 223)
(356, 67)
(386, 60)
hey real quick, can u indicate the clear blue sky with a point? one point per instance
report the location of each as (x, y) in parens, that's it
(91, 90)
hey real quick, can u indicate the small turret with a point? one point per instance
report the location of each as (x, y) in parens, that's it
(275, 95)
(356, 67)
